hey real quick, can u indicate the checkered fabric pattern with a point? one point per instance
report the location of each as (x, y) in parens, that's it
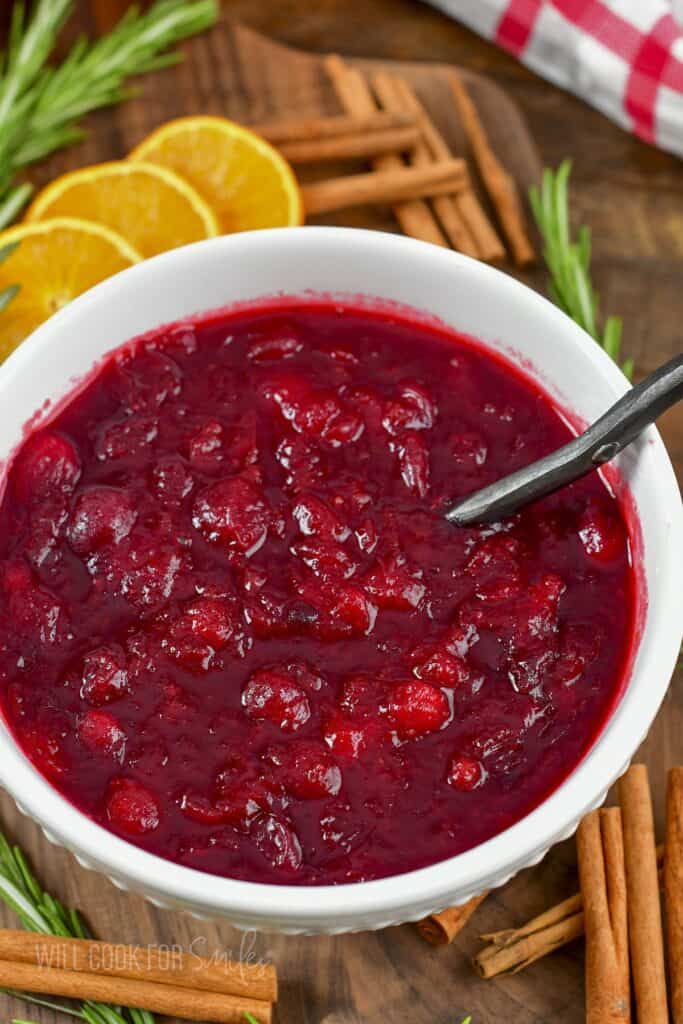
(625, 57)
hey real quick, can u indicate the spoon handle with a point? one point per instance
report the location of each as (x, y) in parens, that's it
(620, 425)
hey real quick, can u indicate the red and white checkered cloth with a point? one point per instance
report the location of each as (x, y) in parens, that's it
(625, 57)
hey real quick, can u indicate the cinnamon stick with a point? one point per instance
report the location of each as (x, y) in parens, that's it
(516, 953)
(299, 128)
(384, 187)
(140, 963)
(673, 890)
(413, 215)
(344, 147)
(513, 949)
(499, 184)
(387, 89)
(440, 929)
(600, 848)
(474, 220)
(644, 915)
(144, 995)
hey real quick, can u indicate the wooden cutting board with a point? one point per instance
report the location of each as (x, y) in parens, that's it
(374, 977)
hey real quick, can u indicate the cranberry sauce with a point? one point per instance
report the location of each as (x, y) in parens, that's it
(236, 631)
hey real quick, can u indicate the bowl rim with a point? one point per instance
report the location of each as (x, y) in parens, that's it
(469, 872)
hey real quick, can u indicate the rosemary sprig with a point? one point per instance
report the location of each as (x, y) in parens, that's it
(41, 105)
(569, 261)
(40, 912)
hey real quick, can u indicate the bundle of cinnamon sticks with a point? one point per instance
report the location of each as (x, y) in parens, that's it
(172, 983)
(621, 871)
(413, 169)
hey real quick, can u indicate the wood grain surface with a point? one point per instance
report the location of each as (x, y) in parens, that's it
(632, 197)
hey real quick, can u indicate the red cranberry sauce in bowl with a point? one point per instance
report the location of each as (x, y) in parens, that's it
(236, 630)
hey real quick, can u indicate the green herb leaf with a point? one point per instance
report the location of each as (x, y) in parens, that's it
(569, 261)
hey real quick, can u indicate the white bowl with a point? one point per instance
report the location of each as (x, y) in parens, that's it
(474, 299)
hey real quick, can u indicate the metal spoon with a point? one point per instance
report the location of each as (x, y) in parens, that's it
(620, 425)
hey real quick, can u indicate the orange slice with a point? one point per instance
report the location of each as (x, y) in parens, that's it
(151, 207)
(245, 181)
(53, 262)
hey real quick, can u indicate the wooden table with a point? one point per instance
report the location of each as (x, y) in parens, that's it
(632, 196)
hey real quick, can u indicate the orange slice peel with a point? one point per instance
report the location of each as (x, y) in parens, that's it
(240, 175)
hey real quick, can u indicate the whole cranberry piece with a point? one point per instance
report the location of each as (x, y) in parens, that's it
(119, 438)
(277, 841)
(205, 447)
(47, 466)
(48, 521)
(352, 608)
(131, 807)
(316, 413)
(104, 676)
(237, 808)
(441, 668)
(344, 429)
(303, 461)
(316, 519)
(346, 737)
(102, 515)
(150, 572)
(32, 608)
(205, 627)
(212, 619)
(147, 379)
(287, 389)
(341, 607)
(101, 733)
(200, 809)
(417, 708)
(307, 769)
(232, 514)
(326, 559)
(273, 695)
(239, 793)
(393, 583)
(465, 773)
(352, 736)
(413, 410)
